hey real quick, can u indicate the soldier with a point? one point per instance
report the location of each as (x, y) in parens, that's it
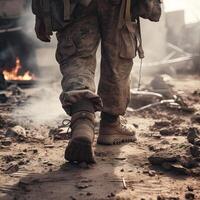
(80, 26)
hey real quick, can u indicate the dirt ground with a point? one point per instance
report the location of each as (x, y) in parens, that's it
(32, 164)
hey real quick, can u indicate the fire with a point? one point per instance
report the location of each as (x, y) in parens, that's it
(14, 73)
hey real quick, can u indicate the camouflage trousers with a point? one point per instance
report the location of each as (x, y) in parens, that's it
(76, 54)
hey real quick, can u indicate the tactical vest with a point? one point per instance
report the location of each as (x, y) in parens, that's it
(56, 13)
(10, 9)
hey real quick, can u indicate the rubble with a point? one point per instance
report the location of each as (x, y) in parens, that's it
(11, 168)
(59, 134)
(17, 132)
(162, 85)
(184, 160)
(196, 118)
(3, 98)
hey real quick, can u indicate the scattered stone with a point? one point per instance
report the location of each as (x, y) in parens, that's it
(193, 135)
(161, 124)
(196, 118)
(59, 134)
(188, 162)
(11, 168)
(152, 173)
(89, 194)
(167, 132)
(189, 196)
(161, 197)
(100, 154)
(111, 195)
(190, 188)
(8, 158)
(120, 158)
(162, 84)
(6, 142)
(195, 151)
(160, 158)
(49, 146)
(82, 186)
(16, 131)
(3, 98)
(2, 122)
(196, 92)
(23, 162)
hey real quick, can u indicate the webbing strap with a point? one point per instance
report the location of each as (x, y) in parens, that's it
(66, 10)
(47, 16)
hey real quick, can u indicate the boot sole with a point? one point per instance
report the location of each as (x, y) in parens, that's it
(79, 151)
(114, 139)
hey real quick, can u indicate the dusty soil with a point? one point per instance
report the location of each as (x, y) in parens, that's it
(32, 165)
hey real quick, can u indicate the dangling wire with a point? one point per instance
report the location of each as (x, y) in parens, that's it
(140, 75)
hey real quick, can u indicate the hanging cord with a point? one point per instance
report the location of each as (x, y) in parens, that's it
(140, 74)
(141, 53)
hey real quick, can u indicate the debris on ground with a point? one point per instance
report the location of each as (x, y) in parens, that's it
(183, 159)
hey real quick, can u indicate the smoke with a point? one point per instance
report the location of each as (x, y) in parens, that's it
(43, 105)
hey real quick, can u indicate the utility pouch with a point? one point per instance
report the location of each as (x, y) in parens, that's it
(147, 9)
(54, 13)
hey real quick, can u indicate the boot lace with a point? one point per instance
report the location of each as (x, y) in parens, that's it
(66, 123)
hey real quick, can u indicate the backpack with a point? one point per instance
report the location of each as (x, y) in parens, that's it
(10, 9)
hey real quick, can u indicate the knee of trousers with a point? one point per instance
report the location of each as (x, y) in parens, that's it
(71, 97)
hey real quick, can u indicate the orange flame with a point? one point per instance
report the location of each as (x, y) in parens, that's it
(14, 73)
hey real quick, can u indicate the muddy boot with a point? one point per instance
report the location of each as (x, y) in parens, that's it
(79, 148)
(115, 130)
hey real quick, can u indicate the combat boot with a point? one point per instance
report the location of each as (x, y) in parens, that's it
(116, 132)
(79, 148)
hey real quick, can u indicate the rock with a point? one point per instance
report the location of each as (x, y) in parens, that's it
(89, 194)
(111, 195)
(152, 173)
(167, 132)
(11, 168)
(3, 98)
(189, 196)
(161, 197)
(6, 142)
(2, 122)
(82, 186)
(160, 158)
(8, 158)
(193, 135)
(59, 134)
(190, 188)
(196, 118)
(188, 162)
(195, 151)
(196, 92)
(161, 124)
(16, 131)
(162, 84)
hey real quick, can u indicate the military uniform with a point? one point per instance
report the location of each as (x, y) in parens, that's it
(86, 24)
(76, 54)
